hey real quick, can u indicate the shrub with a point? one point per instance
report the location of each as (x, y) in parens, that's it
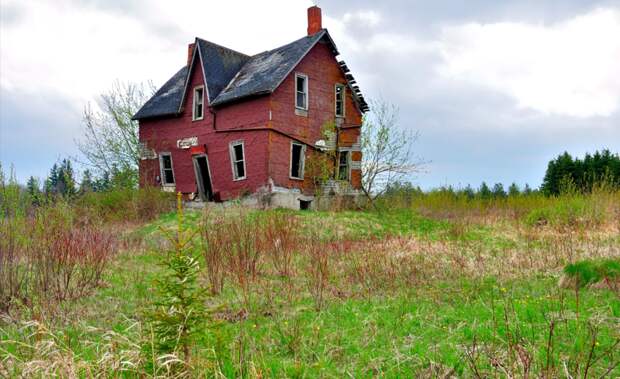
(144, 204)
(50, 257)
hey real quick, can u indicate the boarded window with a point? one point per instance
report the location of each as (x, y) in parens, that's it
(167, 173)
(343, 165)
(237, 158)
(301, 91)
(199, 100)
(297, 160)
(340, 91)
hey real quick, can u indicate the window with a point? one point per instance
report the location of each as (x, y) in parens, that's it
(199, 100)
(343, 165)
(301, 91)
(237, 158)
(340, 92)
(165, 165)
(297, 160)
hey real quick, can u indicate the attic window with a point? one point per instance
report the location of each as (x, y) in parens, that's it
(199, 99)
(237, 159)
(339, 94)
(297, 160)
(301, 91)
(167, 173)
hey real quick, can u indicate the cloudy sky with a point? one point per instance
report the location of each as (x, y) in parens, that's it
(495, 88)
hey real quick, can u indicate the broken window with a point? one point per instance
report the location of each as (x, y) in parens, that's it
(340, 91)
(301, 91)
(297, 160)
(199, 100)
(343, 165)
(165, 164)
(237, 158)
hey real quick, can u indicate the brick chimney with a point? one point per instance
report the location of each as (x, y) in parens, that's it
(190, 53)
(314, 20)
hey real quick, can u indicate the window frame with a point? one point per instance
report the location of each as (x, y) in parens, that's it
(302, 161)
(305, 91)
(162, 169)
(344, 91)
(348, 164)
(233, 161)
(194, 103)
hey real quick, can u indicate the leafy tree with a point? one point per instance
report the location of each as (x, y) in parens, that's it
(110, 135)
(386, 149)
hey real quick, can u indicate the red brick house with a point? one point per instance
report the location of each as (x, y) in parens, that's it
(228, 124)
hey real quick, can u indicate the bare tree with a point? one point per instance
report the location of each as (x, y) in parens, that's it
(110, 140)
(386, 149)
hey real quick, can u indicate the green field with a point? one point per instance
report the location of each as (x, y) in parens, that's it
(437, 288)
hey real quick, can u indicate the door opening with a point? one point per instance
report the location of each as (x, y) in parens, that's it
(203, 179)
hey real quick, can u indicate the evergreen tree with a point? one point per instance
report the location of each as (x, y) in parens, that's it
(484, 192)
(51, 183)
(527, 190)
(34, 191)
(87, 184)
(469, 192)
(514, 190)
(498, 190)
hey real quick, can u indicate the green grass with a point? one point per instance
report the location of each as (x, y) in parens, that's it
(412, 330)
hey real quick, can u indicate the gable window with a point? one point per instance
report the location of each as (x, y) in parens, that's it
(301, 91)
(343, 165)
(165, 166)
(199, 100)
(339, 95)
(237, 159)
(297, 160)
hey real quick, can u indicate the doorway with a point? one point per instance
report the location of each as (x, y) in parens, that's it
(203, 177)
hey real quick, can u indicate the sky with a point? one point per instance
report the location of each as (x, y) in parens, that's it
(495, 89)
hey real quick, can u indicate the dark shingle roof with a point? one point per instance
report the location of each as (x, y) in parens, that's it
(220, 65)
(265, 71)
(231, 75)
(167, 99)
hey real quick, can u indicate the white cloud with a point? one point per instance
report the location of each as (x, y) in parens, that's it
(571, 68)
(78, 49)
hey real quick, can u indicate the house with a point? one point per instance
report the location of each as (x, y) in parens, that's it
(228, 124)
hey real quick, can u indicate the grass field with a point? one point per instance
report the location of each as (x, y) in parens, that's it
(437, 287)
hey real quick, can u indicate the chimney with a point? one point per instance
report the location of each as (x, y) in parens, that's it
(314, 20)
(190, 53)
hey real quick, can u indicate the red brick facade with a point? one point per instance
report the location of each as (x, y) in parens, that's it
(267, 125)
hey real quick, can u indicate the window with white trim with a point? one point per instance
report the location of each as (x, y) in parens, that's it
(199, 101)
(343, 165)
(340, 91)
(165, 166)
(301, 91)
(298, 152)
(237, 159)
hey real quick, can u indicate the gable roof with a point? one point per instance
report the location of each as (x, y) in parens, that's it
(264, 72)
(166, 100)
(231, 75)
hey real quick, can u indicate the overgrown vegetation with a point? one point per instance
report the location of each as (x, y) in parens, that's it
(435, 284)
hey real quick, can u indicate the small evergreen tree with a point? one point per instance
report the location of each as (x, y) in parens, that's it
(484, 192)
(498, 190)
(87, 184)
(34, 191)
(178, 311)
(514, 190)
